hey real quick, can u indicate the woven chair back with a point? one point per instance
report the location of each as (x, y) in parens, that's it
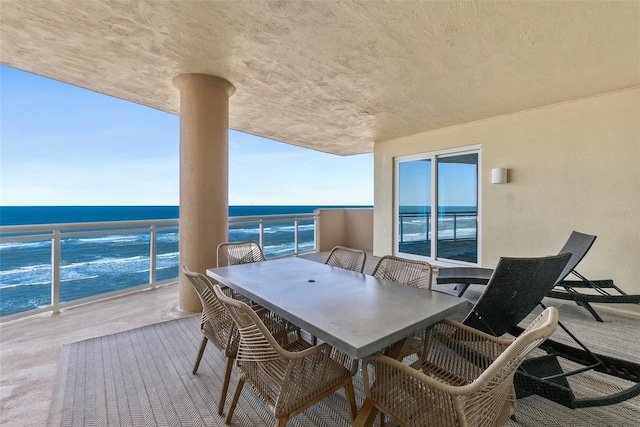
(347, 259)
(234, 253)
(220, 327)
(577, 245)
(405, 271)
(515, 288)
(256, 342)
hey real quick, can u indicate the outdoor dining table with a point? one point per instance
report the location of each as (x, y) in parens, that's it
(357, 313)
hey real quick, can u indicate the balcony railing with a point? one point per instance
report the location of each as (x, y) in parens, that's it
(55, 266)
(457, 234)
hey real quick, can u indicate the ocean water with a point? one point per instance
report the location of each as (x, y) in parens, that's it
(99, 264)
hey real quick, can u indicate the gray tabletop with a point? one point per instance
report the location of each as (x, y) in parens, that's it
(356, 313)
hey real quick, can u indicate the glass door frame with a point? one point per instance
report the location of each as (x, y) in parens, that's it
(434, 156)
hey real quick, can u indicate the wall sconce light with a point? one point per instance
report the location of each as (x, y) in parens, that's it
(499, 176)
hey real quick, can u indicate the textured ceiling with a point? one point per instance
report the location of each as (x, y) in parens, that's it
(334, 76)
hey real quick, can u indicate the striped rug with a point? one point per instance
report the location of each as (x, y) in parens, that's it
(142, 377)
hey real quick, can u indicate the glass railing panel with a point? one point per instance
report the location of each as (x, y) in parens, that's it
(306, 235)
(167, 255)
(279, 239)
(95, 265)
(25, 276)
(244, 232)
(414, 234)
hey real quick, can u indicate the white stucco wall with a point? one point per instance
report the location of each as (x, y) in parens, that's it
(572, 166)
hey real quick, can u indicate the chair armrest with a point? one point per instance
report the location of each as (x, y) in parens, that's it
(472, 334)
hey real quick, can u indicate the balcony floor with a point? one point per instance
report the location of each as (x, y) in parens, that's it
(30, 347)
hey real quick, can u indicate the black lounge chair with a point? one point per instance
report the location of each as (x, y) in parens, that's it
(516, 287)
(579, 244)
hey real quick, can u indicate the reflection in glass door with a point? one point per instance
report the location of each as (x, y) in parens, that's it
(414, 210)
(448, 181)
(458, 207)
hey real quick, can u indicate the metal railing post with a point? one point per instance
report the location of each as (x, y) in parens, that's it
(56, 261)
(295, 235)
(153, 250)
(261, 238)
(455, 226)
(315, 230)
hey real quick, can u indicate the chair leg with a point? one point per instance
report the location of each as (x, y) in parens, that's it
(281, 422)
(234, 400)
(203, 344)
(225, 384)
(351, 399)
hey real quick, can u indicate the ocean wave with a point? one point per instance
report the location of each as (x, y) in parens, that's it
(25, 273)
(413, 237)
(25, 269)
(167, 237)
(41, 274)
(285, 249)
(159, 267)
(18, 285)
(168, 255)
(25, 245)
(75, 278)
(106, 260)
(460, 233)
(415, 221)
(112, 238)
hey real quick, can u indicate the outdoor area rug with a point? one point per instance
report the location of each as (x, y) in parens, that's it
(143, 377)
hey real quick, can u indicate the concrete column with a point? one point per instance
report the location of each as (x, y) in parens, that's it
(204, 174)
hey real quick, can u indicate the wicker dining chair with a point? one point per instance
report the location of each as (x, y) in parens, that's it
(463, 378)
(406, 271)
(347, 258)
(288, 378)
(219, 328)
(234, 253)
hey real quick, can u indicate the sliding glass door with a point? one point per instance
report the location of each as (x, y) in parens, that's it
(448, 182)
(414, 213)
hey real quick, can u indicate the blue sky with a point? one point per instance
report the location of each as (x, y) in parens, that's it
(63, 145)
(458, 183)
